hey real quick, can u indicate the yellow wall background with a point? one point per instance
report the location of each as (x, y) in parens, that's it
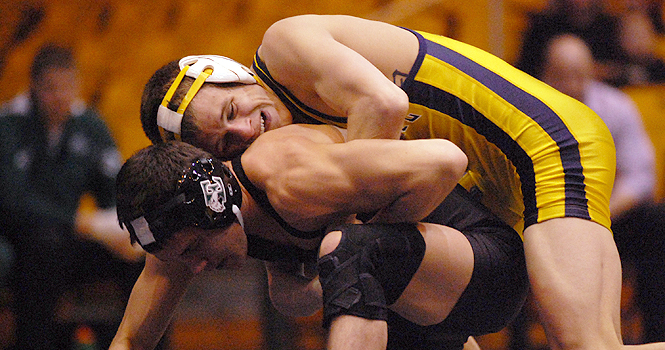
(120, 43)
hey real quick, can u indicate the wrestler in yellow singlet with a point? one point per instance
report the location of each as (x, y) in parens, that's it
(529, 147)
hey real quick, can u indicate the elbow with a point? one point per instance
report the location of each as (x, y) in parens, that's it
(394, 108)
(459, 162)
(380, 116)
(397, 105)
(454, 161)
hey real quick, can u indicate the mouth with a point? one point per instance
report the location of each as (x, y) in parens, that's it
(220, 265)
(263, 123)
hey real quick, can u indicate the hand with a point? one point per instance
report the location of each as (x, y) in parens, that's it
(102, 226)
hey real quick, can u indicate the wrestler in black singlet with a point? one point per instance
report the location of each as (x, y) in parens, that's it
(498, 285)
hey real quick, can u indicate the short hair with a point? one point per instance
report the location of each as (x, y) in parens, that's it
(51, 56)
(153, 94)
(150, 178)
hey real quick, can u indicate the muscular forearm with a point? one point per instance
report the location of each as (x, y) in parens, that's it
(406, 180)
(384, 121)
(154, 298)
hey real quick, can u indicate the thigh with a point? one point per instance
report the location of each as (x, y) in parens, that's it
(473, 278)
(442, 277)
(575, 274)
(491, 299)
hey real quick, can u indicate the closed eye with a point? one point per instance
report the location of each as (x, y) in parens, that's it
(190, 247)
(232, 112)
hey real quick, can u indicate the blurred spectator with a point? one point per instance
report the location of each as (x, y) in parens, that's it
(6, 259)
(586, 19)
(54, 150)
(623, 46)
(639, 63)
(638, 223)
(652, 10)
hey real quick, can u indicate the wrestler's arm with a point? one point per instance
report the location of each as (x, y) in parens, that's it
(312, 177)
(347, 65)
(294, 288)
(153, 300)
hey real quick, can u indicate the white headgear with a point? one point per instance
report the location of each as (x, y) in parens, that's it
(204, 68)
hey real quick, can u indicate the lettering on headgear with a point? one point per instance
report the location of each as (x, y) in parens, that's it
(214, 194)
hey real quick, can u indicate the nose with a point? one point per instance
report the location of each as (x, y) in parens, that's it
(198, 266)
(242, 129)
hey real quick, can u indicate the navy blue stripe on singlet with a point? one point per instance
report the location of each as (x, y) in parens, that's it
(527, 104)
(430, 96)
(292, 103)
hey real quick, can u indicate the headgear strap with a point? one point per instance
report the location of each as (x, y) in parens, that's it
(208, 196)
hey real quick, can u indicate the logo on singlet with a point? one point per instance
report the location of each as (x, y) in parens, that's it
(410, 119)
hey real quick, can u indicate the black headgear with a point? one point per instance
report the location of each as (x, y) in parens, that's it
(208, 196)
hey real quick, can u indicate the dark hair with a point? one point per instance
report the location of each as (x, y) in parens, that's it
(150, 177)
(153, 94)
(51, 56)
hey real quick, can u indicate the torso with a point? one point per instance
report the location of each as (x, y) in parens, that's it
(522, 137)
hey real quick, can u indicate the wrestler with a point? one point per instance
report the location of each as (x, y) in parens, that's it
(451, 283)
(543, 162)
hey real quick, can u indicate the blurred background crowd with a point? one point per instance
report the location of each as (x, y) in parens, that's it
(63, 268)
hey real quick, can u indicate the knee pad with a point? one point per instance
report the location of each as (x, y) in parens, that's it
(369, 269)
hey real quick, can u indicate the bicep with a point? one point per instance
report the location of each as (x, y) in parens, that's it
(314, 58)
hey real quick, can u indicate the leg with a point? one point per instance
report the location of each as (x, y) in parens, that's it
(442, 277)
(353, 332)
(434, 290)
(348, 331)
(575, 275)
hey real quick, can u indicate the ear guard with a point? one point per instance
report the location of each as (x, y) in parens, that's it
(208, 196)
(204, 68)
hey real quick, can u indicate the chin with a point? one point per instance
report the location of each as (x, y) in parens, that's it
(231, 264)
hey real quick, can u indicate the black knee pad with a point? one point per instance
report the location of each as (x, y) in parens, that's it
(369, 269)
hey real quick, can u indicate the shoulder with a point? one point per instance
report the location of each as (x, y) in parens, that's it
(283, 149)
(17, 105)
(15, 113)
(604, 95)
(614, 106)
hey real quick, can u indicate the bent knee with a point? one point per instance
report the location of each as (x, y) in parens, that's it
(330, 242)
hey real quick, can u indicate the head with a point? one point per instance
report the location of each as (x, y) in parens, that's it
(223, 112)
(579, 12)
(54, 82)
(179, 203)
(639, 38)
(569, 65)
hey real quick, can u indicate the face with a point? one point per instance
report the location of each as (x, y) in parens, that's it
(201, 249)
(569, 66)
(231, 118)
(56, 90)
(570, 80)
